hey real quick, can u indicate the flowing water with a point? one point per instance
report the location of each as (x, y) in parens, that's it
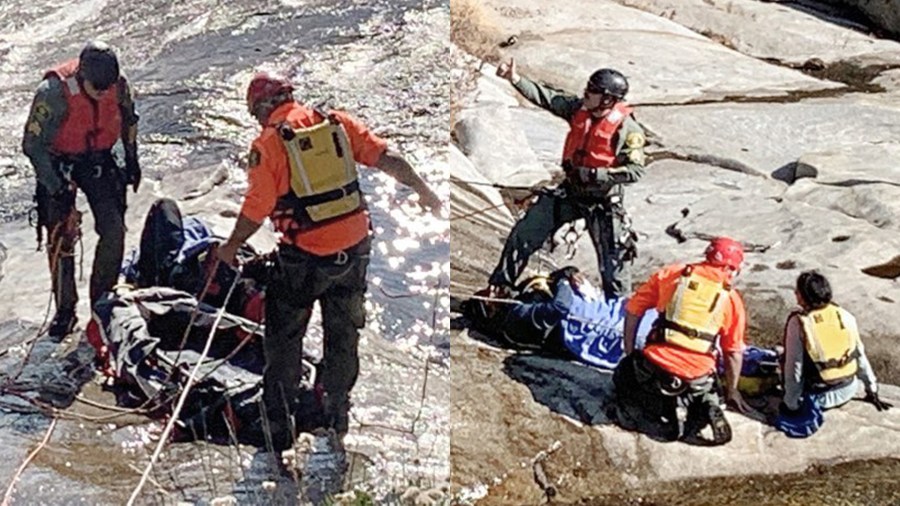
(189, 62)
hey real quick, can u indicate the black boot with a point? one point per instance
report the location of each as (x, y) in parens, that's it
(720, 426)
(701, 415)
(337, 414)
(63, 323)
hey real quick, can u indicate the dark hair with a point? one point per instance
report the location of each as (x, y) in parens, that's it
(99, 65)
(814, 289)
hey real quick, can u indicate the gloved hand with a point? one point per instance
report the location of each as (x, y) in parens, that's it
(880, 405)
(64, 192)
(132, 172)
(587, 175)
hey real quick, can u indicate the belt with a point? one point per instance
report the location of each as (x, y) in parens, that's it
(694, 333)
(288, 252)
(674, 385)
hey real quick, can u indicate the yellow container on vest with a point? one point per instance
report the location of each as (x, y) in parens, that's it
(697, 304)
(321, 161)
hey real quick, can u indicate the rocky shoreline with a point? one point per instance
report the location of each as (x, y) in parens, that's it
(766, 123)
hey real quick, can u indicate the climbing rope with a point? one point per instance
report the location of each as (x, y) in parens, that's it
(9, 490)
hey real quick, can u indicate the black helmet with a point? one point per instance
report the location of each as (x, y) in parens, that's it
(610, 82)
(99, 65)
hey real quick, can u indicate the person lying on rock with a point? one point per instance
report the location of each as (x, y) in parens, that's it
(603, 151)
(824, 358)
(698, 307)
(81, 109)
(563, 313)
(303, 175)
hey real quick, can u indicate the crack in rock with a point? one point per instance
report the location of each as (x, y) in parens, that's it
(706, 159)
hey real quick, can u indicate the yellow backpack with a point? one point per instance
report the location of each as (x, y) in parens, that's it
(324, 179)
(695, 312)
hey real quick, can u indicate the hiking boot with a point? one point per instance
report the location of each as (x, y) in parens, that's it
(62, 324)
(281, 437)
(712, 416)
(338, 419)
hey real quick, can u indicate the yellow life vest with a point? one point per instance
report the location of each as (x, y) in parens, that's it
(324, 179)
(831, 341)
(695, 312)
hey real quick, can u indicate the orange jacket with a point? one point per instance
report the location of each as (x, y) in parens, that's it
(658, 291)
(88, 125)
(269, 178)
(589, 142)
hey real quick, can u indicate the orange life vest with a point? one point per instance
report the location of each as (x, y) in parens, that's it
(89, 125)
(590, 141)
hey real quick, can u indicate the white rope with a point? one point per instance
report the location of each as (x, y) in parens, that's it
(184, 393)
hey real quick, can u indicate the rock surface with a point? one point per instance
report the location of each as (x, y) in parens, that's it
(804, 172)
(782, 34)
(563, 46)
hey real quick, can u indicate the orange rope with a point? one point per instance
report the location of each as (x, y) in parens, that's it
(12, 484)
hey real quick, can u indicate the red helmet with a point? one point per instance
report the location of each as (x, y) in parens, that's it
(726, 252)
(265, 86)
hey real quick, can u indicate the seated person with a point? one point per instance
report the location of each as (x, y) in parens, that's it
(698, 308)
(824, 358)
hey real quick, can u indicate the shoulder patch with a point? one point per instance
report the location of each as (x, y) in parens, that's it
(41, 112)
(253, 158)
(637, 156)
(635, 140)
(34, 128)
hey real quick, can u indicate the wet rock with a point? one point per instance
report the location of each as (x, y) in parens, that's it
(430, 497)
(188, 134)
(228, 500)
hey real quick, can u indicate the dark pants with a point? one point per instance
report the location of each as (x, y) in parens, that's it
(339, 284)
(642, 406)
(105, 194)
(607, 224)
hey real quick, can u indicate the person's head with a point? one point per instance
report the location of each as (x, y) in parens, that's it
(725, 252)
(813, 290)
(265, 93)
(98, 67)
(604, 88)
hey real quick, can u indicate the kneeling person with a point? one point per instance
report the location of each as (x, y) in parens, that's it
(697, 308)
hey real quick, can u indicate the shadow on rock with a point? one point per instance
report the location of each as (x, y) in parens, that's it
(577, 391)
(52, 374)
